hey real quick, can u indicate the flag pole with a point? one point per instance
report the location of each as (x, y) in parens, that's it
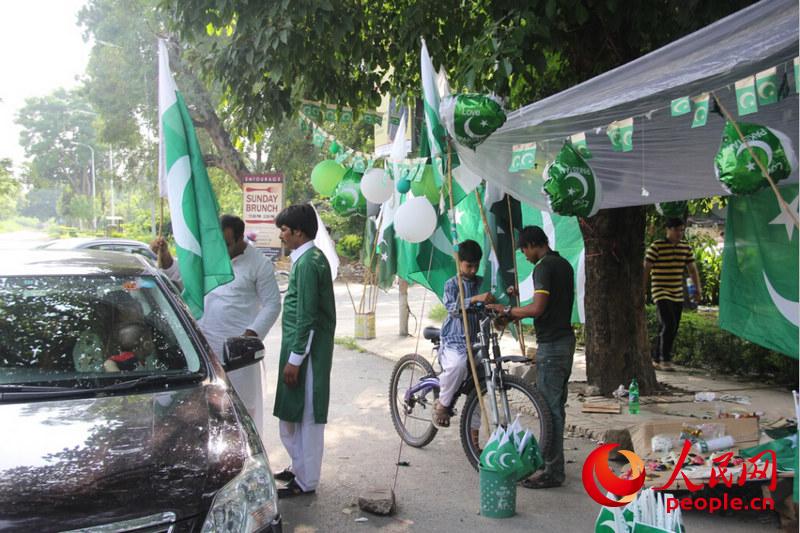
(518, 323)
(161, 219)
(764, 171)
(470, 356)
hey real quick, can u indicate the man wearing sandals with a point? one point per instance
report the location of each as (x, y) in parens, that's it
(553, 296)
(453, 347)
(309, 321)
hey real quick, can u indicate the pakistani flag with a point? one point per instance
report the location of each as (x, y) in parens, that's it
(202, 254)
(758, 290)
(433, 125)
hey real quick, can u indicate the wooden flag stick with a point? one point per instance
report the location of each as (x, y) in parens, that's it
(470, 356)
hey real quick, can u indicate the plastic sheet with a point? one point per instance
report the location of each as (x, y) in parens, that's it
(670, 160)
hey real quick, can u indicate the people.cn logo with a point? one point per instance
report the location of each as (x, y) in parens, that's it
(598, 475)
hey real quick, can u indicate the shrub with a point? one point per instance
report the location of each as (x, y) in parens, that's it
(701, 343)
(437, 313)
(349, 246)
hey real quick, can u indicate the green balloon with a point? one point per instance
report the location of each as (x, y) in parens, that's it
(334, 148)
(348, 198)
(734, 166)
(426, 186)
(571, 187)
(403, 186)
(326, 176)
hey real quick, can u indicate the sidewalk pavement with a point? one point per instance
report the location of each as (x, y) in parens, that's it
(773, 402)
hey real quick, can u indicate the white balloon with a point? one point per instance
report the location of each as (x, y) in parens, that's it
(415, 220)
(376, 186)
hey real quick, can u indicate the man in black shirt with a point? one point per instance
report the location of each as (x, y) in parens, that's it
(551, 309)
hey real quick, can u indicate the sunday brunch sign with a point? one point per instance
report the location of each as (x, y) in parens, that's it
(263, 200)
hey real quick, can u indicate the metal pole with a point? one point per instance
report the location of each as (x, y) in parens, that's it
(111, 171)
(94, 188)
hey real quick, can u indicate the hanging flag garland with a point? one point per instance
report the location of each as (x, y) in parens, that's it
(735, 167)
(579, 143)
(700, 116)
(571, 187)
(523, 157)
(746, 100)
(471, 118)
(680, 106)
(620, 133)
(767, 86)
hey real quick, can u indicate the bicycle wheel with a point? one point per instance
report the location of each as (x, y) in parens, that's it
(523, 400)
(282, 277)
(411, 399)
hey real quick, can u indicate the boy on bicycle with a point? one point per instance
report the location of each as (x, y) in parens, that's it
(453, 346)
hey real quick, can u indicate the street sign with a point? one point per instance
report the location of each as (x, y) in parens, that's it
(263, 200)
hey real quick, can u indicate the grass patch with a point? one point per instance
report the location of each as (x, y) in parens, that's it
(349, 343)
(438, 313)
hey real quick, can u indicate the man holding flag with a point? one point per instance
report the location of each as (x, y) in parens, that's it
(229, 286)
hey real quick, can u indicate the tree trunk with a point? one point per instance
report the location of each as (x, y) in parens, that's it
(228, 158)
(617, 348)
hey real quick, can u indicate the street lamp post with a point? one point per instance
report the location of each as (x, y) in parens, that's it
(94, 188)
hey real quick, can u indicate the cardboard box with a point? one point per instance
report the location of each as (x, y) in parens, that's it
(743, 430)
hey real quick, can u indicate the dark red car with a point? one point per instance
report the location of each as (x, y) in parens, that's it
(156, 441)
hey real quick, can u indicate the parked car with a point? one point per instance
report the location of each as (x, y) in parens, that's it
(116, 414)
(110, 244)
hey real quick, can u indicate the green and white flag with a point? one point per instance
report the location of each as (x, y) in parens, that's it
(680, 106)
(759, 286)
(329, 114)
(767, 86)
(202, 253)
(579, 143)
(746, 100)
(430, 103)
(797, 74)
(346, 116)
(311, 109)
(318, 138)
(620, 133)
(523, 157)
(700, 116)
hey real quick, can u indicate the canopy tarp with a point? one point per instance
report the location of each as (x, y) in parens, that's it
(670, 160)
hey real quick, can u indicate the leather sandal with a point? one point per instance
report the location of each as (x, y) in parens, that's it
(284, 475)
(291, 490)
(540, 482)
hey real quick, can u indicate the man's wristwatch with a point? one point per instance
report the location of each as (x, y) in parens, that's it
(507, 310)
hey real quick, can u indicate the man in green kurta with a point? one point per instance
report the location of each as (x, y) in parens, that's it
(309, 321)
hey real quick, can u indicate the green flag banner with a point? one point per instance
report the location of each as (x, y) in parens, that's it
(680, 106)
(579, 143)
(346, 116)
(311, 110)
(767, 86)
(759, 285)
(620, 133)
(797, 74)
(523, 157)
(746, 100)
(329, 114)
(700, 116)
(202, 253)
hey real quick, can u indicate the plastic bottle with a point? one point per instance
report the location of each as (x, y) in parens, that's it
(633, 398)
(691, 288)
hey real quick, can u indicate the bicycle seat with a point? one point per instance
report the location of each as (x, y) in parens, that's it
(432, 334)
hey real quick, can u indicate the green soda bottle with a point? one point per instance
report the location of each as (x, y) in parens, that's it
(633, 398)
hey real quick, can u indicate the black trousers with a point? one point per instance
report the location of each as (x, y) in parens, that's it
(669, 316)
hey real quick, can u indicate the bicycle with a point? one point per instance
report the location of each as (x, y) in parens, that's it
(505, 396)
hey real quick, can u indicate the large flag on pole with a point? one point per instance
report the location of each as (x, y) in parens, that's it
(759, 286)
(202, 253)
(433, 126)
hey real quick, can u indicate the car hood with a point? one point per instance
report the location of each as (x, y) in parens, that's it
(68, 464)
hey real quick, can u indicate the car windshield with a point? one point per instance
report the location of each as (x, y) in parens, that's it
(82, 331)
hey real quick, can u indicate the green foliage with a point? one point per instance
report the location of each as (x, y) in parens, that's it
(229, 195)
(9, 190)
(349, 246)
(708, 259)
(19, 223)
(41, 204)
(521, 50)
(438, 313)
(702, 344)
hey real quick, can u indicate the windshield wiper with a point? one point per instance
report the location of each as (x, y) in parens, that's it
(151, 379)
(11, 391)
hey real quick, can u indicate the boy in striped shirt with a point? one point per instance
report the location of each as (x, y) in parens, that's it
(665, 261)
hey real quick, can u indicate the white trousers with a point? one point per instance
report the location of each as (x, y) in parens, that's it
(305, 441)
(247, 383)
(454, 371)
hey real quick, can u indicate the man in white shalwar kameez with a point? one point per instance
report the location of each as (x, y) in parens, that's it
(248, 305)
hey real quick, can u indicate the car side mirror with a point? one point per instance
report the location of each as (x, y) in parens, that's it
(241, 351)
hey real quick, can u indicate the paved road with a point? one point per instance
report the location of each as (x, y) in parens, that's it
(439, 490)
